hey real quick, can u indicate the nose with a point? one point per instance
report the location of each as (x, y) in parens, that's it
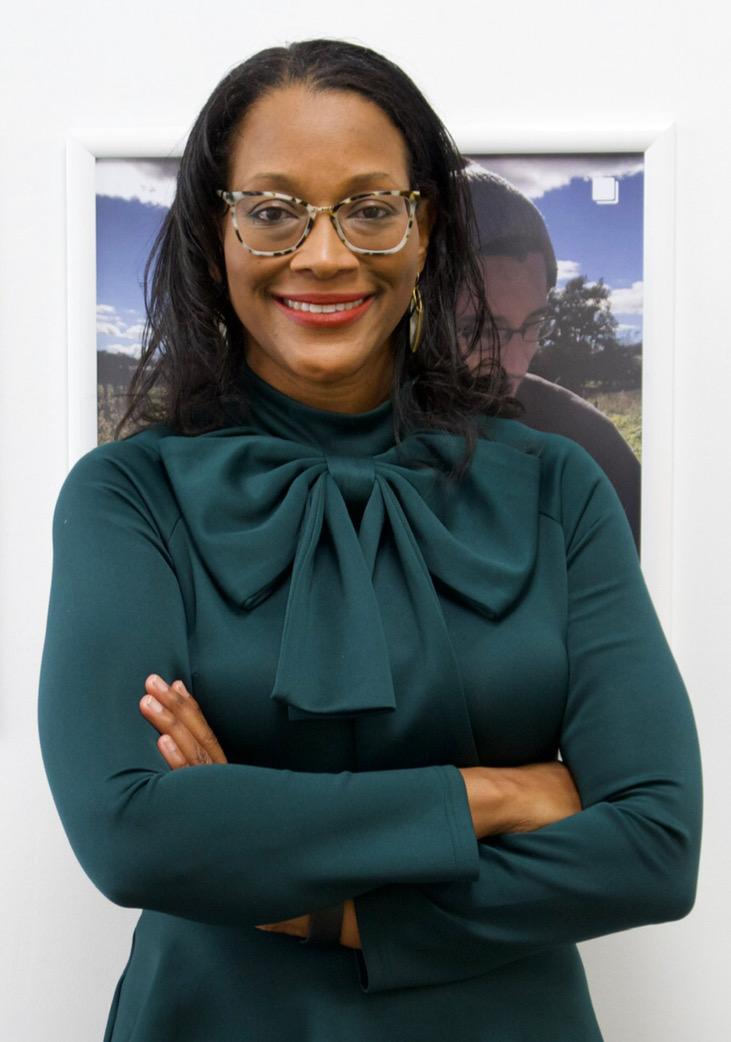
(323, 249)
(516, 356)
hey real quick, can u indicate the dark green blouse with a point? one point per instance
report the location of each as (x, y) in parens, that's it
(355, 629)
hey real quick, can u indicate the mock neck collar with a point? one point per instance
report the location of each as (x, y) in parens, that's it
(280, 415)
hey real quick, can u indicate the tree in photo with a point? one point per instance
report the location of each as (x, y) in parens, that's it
(583, 352)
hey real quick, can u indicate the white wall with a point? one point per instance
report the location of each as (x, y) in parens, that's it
(137, 65)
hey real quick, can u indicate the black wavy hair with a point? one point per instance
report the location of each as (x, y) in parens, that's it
(193, 341)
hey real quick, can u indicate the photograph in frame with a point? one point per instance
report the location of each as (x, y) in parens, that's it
(561, 247)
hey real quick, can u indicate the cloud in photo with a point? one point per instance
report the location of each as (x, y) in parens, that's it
(534, 179)
(628, 301)
(131, 350)
(567, 269)
(148, 181)
(109, 323)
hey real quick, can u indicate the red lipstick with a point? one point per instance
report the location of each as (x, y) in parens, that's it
(320, 318)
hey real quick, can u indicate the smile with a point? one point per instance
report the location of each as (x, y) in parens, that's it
(323, 314)
(300, 305)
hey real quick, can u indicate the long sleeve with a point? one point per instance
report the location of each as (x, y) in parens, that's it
(630, 856)
(219, 843)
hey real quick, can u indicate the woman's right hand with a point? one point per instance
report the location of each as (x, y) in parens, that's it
(519, 799)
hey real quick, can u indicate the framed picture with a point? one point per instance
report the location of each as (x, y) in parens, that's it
(606, 199)
(560, 248)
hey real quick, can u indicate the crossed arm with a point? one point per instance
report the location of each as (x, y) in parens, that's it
(186, 740)
(505, 805)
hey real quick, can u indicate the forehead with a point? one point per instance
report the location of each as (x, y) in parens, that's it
(317, 142)
(513, 284)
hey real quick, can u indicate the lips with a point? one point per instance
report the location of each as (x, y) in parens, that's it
(323, 319)
(322, 298)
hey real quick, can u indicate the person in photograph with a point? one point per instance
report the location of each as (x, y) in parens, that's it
(519, 264)
(329, 687)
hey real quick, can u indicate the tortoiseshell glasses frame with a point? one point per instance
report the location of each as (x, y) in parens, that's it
(412, 196)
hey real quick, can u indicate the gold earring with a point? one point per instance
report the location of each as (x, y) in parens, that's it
(416, 319)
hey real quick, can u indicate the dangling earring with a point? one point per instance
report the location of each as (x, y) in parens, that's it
(416, 319)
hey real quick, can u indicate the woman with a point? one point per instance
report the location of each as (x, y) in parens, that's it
(379, 608)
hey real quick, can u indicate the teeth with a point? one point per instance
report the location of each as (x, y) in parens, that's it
(327, 309)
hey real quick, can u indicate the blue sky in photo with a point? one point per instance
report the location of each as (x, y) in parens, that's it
(125, 232)
(599, 241)
(605, 239)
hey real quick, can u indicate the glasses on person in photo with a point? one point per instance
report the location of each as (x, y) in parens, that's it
(271, 224)
(530, 332)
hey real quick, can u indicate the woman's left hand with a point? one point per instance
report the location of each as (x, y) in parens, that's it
(186, 738)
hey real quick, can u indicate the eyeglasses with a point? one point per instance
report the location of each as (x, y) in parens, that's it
(372, 222)
(530, 332)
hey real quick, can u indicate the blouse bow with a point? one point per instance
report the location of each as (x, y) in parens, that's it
(363, 621)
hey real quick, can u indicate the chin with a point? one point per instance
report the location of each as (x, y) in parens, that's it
(326, 361)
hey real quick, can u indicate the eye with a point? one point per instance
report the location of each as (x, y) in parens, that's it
(375, 209)
(277, 211)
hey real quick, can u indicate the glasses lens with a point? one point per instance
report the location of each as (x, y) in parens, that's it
(539, 330)
(270, 224)
(375, 222)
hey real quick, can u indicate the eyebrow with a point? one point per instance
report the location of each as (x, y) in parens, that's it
(532, 314)
(284, 181)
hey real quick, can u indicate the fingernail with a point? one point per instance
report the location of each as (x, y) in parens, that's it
(157, 682)
(152, 703)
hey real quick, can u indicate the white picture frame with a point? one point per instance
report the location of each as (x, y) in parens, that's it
(655, 141)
